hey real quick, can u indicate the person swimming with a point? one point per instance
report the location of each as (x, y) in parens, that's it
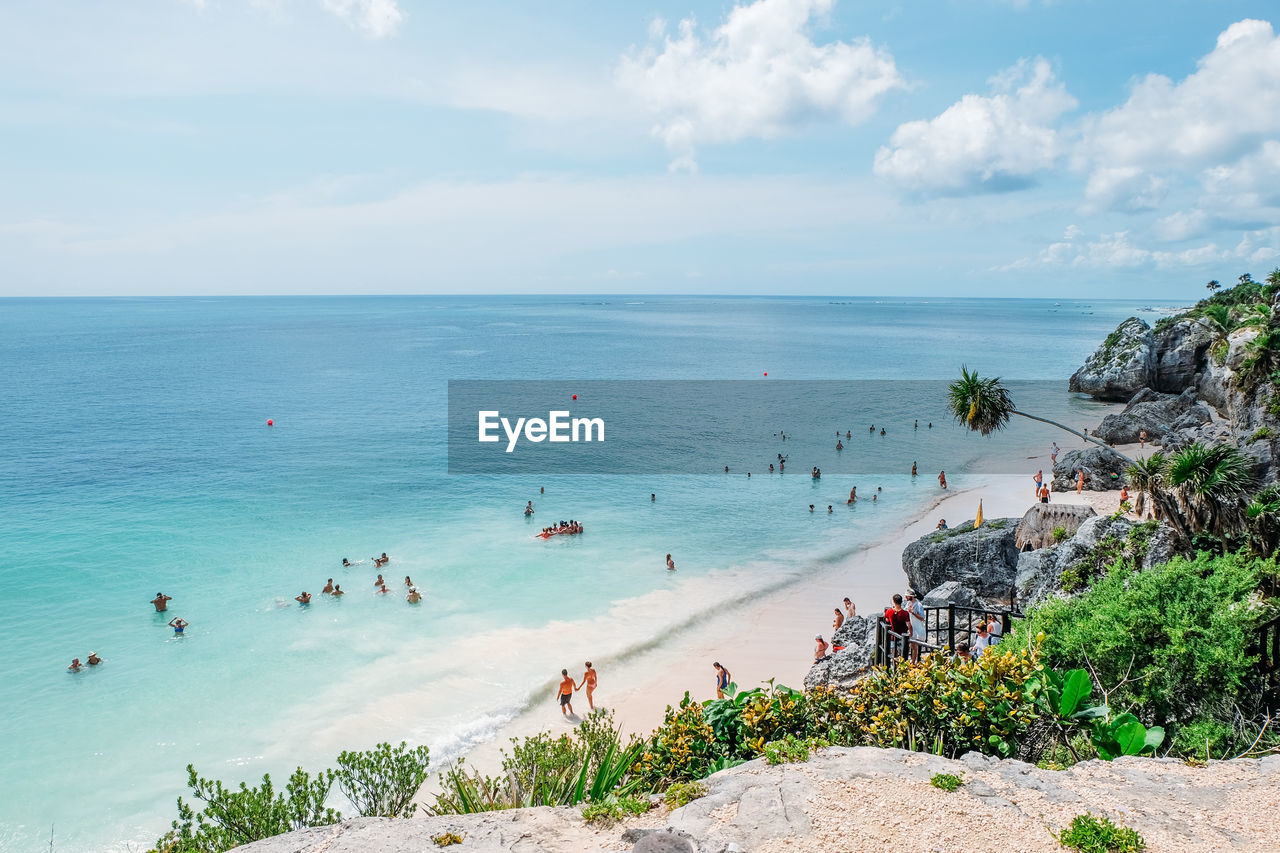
(93, 659)
(671, 565)
(328, 587)
(839, 445)
(414, 596)
(346, 564)
(379, 581)
(382, 590)
(337, 589)
(407, 582)
(76, 666)
(303, 599)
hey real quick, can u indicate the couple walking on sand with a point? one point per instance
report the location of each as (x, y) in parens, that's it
(568, 686)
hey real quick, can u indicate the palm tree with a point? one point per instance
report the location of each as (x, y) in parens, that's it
(984, 406)
(1260, 360)
(1273, 278)
(1211, 483)
(1245, 278)
(1147, 478)
(1263, 518)
(1218, 319)
(1213, 285)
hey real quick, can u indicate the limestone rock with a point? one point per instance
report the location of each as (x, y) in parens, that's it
(1121, 367)
(1100, 463)
(984, 560)
(1179, 355)
(1036, 528)
(951, 592)
(843, 668)
(1159, 414)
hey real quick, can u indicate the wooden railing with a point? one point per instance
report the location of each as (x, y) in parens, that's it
(944, 628)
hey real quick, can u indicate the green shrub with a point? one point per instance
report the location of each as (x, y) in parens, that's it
(382, 782)
(684, 748)
(682, 793)
(1090, 834)
(612, 809)
(1261, 433)
(232, 817)
(1218, 352)
(447, 839)
(1179, 631)
(791, 749)
(1204, 737)
(946, 781)
(1059, 533)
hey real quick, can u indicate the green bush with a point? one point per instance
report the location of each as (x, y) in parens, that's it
(1090, 834)
(232, 817)
(791, 749)
(682, 793)
(612, 809)
(946, 781)
(447, 839)
(1171, 640)
(1261, 433)
(1059, 533)
(382, 782)
(1204, 737)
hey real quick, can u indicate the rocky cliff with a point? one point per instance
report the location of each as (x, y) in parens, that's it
(871, 799)
(983, 560)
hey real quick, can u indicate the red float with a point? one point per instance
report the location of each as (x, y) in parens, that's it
(270, 422)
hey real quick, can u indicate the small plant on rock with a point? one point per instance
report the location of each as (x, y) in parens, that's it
(946, 781)
(1090, 834)
(447, 839)
(1059, 533)
(682, 793)
(791, 748)
(613, 809)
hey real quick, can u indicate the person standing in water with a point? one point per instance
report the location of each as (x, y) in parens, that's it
(303, 599)
(161, 601)
(589, 682)
(942, 479)
(178, 626)
(328, 587)
(853, 496)
(671, 564)
(722, 679)
(414, 596)
(566, 693)
(528, 508)
(913, 470)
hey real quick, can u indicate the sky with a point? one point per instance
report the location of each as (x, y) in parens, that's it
(950, 147)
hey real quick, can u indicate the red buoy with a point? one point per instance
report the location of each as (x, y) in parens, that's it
(766, 373)
(575, 396)
(270, 422)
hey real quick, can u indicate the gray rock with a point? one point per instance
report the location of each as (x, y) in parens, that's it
(951, 592)
(1100, 463)
(666, 841)
(1121, 366)
(1160, 415)
(1180, 351)
(841, 669)
(1036, 529)
(984, 560)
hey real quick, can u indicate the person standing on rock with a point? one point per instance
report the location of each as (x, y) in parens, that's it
(722, 679)
(1142, 439)
(838, 621)
(849, 610)
(1053, 454)
(820, 651)
(1038, 478)
(566, 693)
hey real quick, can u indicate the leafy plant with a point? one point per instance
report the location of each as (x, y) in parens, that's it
(1059, 533)
(447, 839)
(612, 809)
(682, 793)
(1261, 433)
(382, 782)
(1125, 735)
(232, 817)
(791, 749)
(946, 781)
(1090, 834)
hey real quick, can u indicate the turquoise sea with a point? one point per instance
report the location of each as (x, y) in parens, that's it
(135, 458)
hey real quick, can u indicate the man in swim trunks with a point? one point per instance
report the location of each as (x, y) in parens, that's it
(528, 508)
(722, 679)
(337, 589)
(414, 596)
(161, 601)
(303, 599)
(178, 625)
(589, 682)
(328, 587)
(1038, 479)
(566, 693)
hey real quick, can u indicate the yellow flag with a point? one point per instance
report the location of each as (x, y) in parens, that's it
(977, 522)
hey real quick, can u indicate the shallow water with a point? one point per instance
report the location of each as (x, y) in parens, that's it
(135, 457)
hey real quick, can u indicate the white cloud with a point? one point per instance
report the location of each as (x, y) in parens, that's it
(759, 74)
(1117, 251)
(1181, 225)
(375, 18)
(1220, 113)
(983, 143)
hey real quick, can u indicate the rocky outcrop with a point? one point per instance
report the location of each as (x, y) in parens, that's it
(1121, 367)
(1104, 469)
(951, 592)
(853, 799)
(1160, 415)
(985, 560)
(1178, 353)
(840, 670)
(1038, 526)
(1039, 573)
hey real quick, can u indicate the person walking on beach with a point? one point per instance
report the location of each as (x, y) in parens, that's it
(722, 679)
(1038, 478)
(671, 564)
(589, 682)
(161, 601)
(566, 693)
(1043, 494)
(1080, 481)
(178, 626)
(1142, 439)
(942, 479)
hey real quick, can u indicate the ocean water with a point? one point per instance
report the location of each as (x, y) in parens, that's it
(135, 458)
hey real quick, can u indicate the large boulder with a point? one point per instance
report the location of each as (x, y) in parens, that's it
(951, 592)
(841, 669)
(1037, 527)
(1158, 414)
(1179, 354)
(1104, 469)
(1121, 367)
(1039, 573)
(985, 560)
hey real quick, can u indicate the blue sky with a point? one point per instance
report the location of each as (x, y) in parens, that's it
(984, 147)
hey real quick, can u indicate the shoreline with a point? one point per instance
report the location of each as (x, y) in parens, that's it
(767, 638)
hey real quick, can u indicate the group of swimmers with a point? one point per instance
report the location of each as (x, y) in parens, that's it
(379, 585)
(563, 528)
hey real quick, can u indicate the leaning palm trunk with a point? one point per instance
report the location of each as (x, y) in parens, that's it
(1074, 432)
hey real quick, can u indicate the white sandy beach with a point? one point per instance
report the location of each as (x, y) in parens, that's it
(773, 637)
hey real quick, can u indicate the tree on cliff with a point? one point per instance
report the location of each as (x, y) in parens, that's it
(985, 405)
(1213, 285)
